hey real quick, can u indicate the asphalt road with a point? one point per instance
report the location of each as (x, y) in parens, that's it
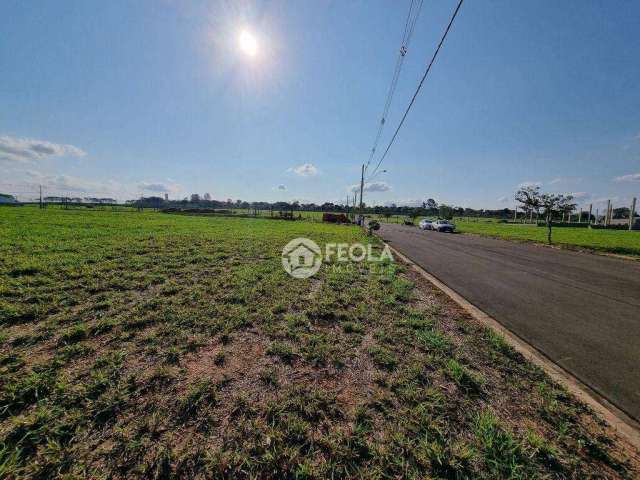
(581, 310)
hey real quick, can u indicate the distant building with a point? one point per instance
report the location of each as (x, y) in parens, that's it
(5, 198)
(625, 221)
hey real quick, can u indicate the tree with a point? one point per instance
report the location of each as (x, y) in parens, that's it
(550, 203)
(622, 212)
(207, 196)
(195, 198)
(530, 198)
(151, 202)
(555, 203)
(431, 204)
(445, 211)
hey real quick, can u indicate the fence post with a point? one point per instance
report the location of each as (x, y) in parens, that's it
(610, 214)
(631, 213)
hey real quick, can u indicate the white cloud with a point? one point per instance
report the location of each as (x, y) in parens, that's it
(282, 187)
(580, 195)
(632, 177)
(407, 202)
(58, 185)
(410, 202)
(503, 199)
(159, 187)
(377, 187)
(529, 184)
(305, 170)
(603, 200)
(14, 149)
(62, 184)
(371, 187)
(566, 180)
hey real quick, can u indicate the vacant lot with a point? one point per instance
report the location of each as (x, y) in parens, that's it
(614, 241)
(152, 345)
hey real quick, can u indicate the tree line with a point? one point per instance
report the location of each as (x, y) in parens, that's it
(429, 208)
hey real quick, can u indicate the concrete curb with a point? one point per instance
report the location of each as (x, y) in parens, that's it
(625, 426)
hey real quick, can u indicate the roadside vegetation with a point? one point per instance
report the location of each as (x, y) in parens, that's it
(621, 242)
(153, 345)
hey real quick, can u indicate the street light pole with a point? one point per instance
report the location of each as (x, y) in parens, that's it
(361, 190)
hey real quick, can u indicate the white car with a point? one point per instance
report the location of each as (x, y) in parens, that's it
(443, 226)
(426, 224)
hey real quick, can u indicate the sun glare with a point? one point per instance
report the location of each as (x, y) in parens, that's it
(248, 43)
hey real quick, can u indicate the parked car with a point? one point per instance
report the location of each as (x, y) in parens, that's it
(443, 226)
(425, 224)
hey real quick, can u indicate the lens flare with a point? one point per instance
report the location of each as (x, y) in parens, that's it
(248, 43)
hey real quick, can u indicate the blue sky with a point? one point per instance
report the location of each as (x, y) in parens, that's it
(121, 98)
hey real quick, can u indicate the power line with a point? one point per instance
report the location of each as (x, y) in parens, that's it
(413, 99)
(410, 23)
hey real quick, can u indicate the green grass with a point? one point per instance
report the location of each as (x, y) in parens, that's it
(167, 346)
(621, 242)
(614, 241)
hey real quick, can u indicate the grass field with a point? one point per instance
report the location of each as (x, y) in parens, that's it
(621, 242)
(146, 345)
(614, 241)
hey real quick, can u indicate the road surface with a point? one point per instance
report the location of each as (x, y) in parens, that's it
(581, 310)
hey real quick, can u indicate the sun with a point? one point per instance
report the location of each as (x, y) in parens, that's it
(248, 43)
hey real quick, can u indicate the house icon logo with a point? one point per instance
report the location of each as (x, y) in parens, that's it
(301, 258)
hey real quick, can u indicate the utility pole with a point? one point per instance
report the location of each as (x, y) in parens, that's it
(610, 214)
(41, 197)
(590, 210)
(515, 214)
(631, 213)
(361, 190)
(606, 216)
(355, 203)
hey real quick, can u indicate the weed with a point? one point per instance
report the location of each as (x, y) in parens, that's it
(463, 378)
(282, 350)
(352, 327)
(383, 357)
(219, 358)
(501, 453)
(269, 375)
(74, 334)
(434, 341)
(197, 397)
